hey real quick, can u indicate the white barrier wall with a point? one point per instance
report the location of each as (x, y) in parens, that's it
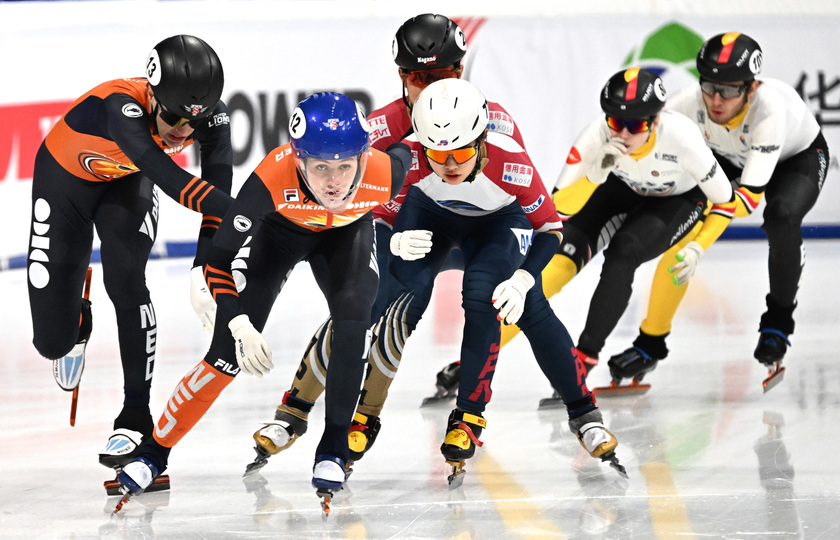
(544, 64)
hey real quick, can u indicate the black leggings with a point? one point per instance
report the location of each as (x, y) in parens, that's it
(791, 193)
(65, 210)
(651, 226)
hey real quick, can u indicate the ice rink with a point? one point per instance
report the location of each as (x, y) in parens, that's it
(708, 454)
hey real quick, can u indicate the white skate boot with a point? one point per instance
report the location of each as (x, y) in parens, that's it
(327, 478)
(68, 369)
(274, 437)
(597, 439)
(120, 448)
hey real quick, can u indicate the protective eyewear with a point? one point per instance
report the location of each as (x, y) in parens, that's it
(461, 155)
(424, 78)
(172, 119)
(724, 91)
(633, 125)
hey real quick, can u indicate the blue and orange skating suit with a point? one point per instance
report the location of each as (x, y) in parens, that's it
(93, 142)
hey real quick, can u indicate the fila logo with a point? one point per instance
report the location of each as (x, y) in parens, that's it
(291, 195)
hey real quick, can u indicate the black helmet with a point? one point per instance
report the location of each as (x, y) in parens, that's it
(730, 57)
(633, 93)
(428, 41)
(186, 76)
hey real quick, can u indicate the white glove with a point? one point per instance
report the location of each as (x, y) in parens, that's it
(411, 245)
(252, 352)
(688, 258)
(606, 159)
(509, 296)
(201, 299)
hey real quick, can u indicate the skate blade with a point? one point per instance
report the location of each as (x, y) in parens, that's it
(348, 470)
(437, 398)
(73, 404)
(121, 504)
(774, 379)
(326, 498)
(615, 389)
(550, 403)
(254, 467)
(618, 466)
(161, 483)
(456, 479)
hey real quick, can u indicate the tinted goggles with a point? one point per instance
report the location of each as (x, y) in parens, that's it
(724, 91)
(633, 125)
(172, 119)
(461, 155)
(426, 77)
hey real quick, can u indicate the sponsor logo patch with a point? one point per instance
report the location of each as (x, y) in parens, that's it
(241, 223)
(378, 128)
(518, 174)
(532, 207)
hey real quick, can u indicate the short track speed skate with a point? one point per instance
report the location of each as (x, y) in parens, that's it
(446, 385)
(137, 477)
(634, 364)
(462, 433)
(597, 439)
(327, 478)
(771, 349)
(68, 369)
(553, 402)
(774, 378)
(274, 437)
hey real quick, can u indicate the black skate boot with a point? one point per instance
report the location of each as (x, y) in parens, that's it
(446, 384)
(772, 346)
(775, 327)
(634, 363)
(273, 437)
(462, 433)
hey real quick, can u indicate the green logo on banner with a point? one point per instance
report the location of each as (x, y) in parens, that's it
(669, 51)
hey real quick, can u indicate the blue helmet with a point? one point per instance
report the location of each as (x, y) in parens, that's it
(328, 126)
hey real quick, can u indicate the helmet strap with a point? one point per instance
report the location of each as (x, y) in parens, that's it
(356, 180)
(482, 160)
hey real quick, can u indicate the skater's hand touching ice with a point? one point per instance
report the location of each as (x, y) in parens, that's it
(411, 245)
(509, 296)
(201, 299)
(252, 351)
(687, 258)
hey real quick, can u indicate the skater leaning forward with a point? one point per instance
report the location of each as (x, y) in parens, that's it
(308, 200)
(100, 166)
(427, 48)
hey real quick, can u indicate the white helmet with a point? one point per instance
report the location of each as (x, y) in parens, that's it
(449, 114)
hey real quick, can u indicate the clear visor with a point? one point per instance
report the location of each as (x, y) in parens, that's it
(333, 182)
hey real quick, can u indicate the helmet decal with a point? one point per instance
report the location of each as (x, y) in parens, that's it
(297, 124)
(728, 41)
(153, 68)
(631, 76)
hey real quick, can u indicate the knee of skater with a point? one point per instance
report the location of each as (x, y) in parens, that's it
(55, 346)
(778, 218)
